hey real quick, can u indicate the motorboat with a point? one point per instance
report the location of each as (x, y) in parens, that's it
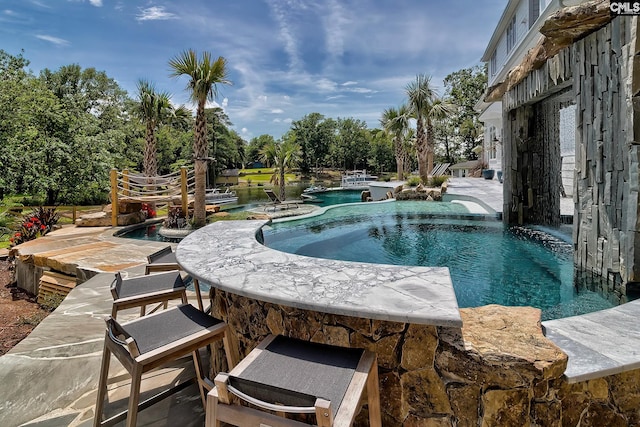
(315, 189)
(357, 179)
(217, 197)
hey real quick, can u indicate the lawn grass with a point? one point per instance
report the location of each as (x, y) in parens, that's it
(261, 176)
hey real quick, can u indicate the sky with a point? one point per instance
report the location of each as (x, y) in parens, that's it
(285, 58)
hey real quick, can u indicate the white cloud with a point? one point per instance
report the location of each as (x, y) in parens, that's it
(262, 98)
(96, 3)
(288, 120)
(335, 24)
(326, 85)
(276, 120)
(280, 11)
(9, 12)
(277, 111)
(155, 13)
(349, 83)
(361, 90)
(225, 102)
(51, 39)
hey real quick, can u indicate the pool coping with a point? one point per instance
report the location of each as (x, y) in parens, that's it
(228, 255)
(600, 343)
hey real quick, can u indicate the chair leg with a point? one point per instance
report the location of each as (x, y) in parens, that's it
(230, 351)
(196, 285)
(134, 396)
(373, 396)
(102, 384)
(211, 416)
(197, 365)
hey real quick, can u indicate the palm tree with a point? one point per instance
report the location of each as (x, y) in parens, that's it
(204, 76)
(395, 122)
(283, 156)
(153, 109)
(425, 106)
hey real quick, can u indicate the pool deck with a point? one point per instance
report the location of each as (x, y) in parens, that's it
(49, 378)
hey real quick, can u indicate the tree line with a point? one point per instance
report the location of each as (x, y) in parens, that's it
(62, 131)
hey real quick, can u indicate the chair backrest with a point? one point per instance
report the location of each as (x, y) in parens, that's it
(119, 336)
(116, 285)
(159, 254)
(272, 196)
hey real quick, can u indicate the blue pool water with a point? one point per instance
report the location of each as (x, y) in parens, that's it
(488, 262)
(337, 197)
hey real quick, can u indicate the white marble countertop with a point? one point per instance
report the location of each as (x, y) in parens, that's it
(227, 255)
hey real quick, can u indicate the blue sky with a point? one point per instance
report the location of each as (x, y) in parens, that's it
(286, 58)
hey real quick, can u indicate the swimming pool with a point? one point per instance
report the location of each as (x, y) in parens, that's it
(337, 197)
(489, 263)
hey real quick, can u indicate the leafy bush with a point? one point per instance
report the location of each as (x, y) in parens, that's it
(175, 218)
(437, 181)
(38, 223)
(50, 302)
(413, 181)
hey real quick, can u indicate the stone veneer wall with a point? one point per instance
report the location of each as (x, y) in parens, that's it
(599, 73)
(498, 370)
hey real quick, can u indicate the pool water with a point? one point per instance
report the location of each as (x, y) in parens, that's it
(489, 263)
(337, 197)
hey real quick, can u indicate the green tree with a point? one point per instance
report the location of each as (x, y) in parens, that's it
(225, 144)
(282, 156)
(426, 107)
(14, 81)
(205, 74)
(465, 88)
(153, 109)
(252, 152)
(381, 152)
(350, 147)
(85, 137)
(314, 134)
(395, 123)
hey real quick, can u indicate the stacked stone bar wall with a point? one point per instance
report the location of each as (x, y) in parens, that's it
(498, 370)
(598, 73)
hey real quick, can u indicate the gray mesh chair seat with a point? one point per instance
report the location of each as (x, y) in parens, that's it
(144, 290)
(162, 260)
(152, 341)
(165, 260)
(286, 375)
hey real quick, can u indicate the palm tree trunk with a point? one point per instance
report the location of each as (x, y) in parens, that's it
(281, 183)
(150, 162)
(200, 152)
(430, 146)
(421, 150)
(399, 159)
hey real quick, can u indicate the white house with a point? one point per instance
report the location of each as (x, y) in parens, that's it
(516, 33)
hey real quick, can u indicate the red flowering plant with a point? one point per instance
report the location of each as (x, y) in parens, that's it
(148, 211)
(38, 223)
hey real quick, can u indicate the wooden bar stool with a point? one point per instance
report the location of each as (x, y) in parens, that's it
(162, 260)
(165, 260)
(152, 341)
(141, 291)
(285, 375)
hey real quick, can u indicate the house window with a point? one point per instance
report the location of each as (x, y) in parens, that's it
(493, 142)
(534, 11)
(493, 63)
(511, 34)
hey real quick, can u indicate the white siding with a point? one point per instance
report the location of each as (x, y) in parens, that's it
(521, 28)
